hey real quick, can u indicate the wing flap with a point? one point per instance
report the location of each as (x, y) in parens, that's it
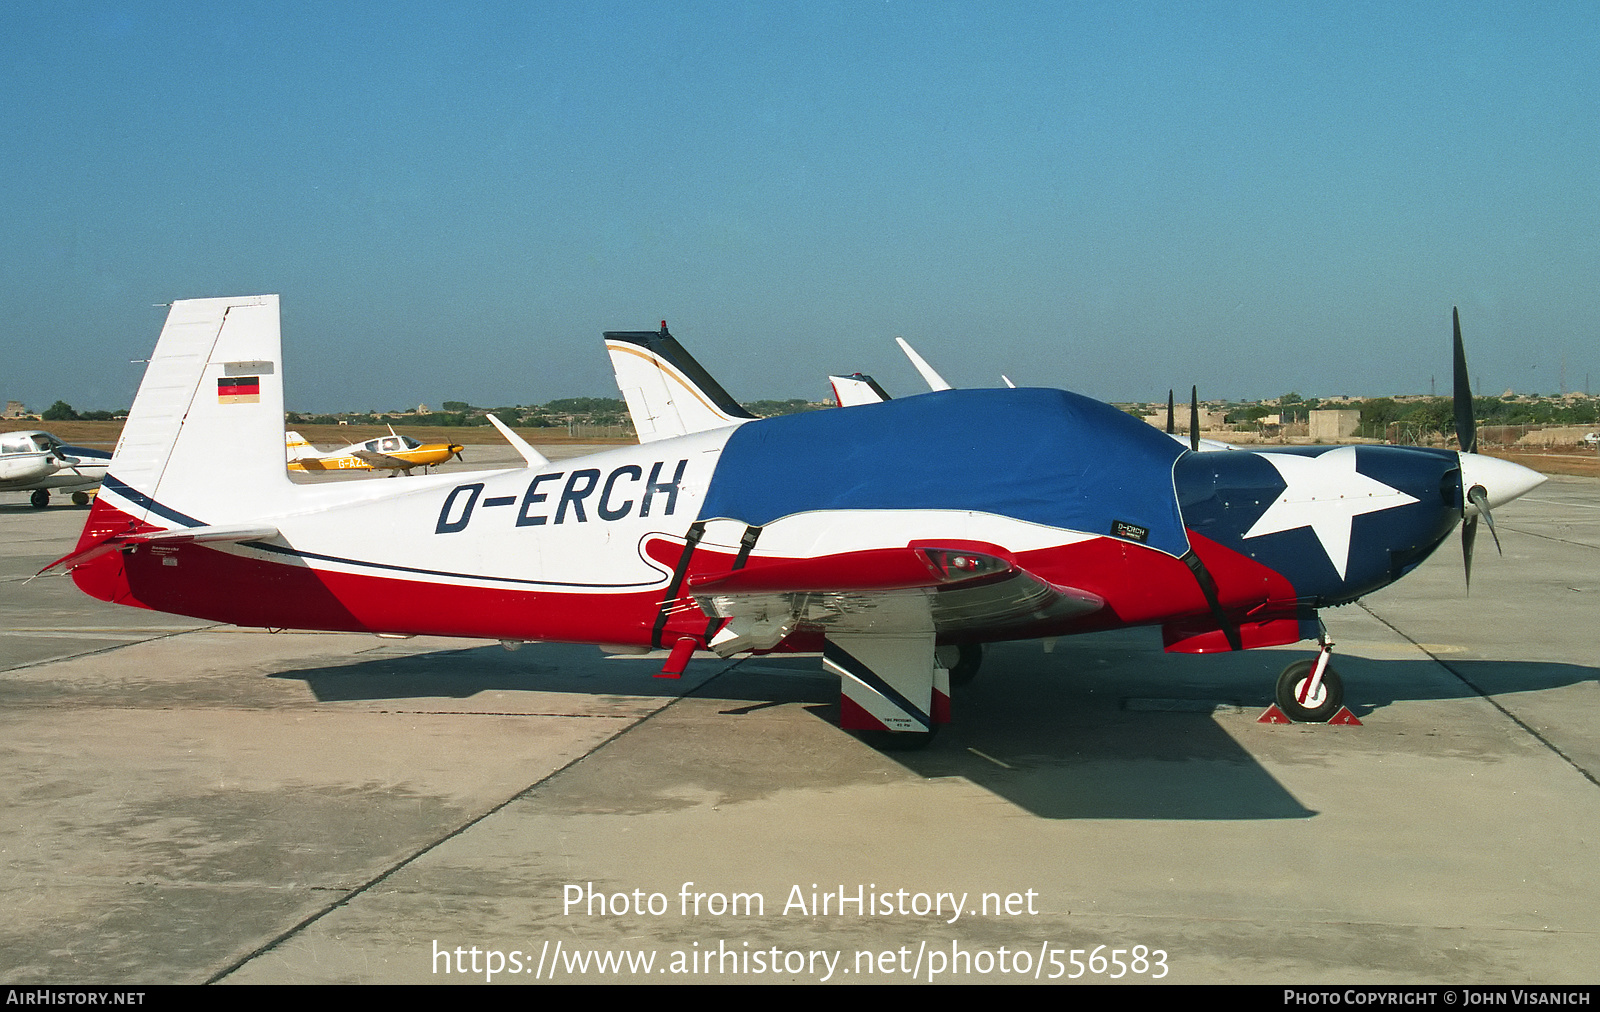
(866, 592)
(874, 569)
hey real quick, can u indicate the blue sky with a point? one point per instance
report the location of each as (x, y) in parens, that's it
(454, 201)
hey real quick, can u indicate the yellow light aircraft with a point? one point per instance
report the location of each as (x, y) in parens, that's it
(392, 453)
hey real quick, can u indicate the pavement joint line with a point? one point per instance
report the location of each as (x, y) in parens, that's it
(107, 650)
(326, 709)
(1294, 917)
(1546, 537)
(394, 869)
(1560, 502)
(1541, 739)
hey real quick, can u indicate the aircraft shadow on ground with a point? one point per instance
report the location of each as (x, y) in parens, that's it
(1105, 728)
(1371, 685)
(23, 508)
(461, 674)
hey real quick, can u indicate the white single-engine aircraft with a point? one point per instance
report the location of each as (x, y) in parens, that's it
(894, 538)
(39, 461)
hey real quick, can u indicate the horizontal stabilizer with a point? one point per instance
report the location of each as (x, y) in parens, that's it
(177, 536)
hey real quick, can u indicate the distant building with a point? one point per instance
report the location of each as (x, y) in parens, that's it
(1210, 421)
(423, 409)
(15, 409)
(1330, 424)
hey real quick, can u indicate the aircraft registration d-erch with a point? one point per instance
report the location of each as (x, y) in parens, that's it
(894, 538)
(37, 461)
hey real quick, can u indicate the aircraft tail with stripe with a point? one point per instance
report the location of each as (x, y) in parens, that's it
(668, 392)
(214, 380)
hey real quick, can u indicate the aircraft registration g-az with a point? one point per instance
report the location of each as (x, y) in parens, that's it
(893, 538)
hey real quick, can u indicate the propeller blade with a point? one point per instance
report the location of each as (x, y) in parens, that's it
(1194, 419)
(1171, 424)
(1480, 498)
(1466, 425)
(1469, 532)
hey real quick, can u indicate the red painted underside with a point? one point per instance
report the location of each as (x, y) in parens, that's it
(1140, 587)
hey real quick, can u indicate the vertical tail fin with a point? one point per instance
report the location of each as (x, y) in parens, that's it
(668, 392)
(857, 388)
(204, 440)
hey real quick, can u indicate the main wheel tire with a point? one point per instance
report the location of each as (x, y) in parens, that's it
(1318, 709)
(40, 498)
(962, 660)
(80, 498)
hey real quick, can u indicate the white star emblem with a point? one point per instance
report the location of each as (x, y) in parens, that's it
(1326, 493)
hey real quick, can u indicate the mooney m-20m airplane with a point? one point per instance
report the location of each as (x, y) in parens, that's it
(893, 538)
(39, 461)
(390, 453)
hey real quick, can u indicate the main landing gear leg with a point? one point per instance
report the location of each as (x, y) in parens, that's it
(1311, 692)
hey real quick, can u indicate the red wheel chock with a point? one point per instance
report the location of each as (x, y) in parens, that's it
(1273, 715)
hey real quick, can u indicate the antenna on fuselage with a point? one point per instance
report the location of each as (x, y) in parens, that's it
(1194, 418)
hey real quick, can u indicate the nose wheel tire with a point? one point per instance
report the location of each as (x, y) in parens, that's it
(1317, 709)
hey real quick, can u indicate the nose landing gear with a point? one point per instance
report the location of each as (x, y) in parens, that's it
(1311, 692)
(1307, 697)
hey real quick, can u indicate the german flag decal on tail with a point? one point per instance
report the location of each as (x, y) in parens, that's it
(239, 390)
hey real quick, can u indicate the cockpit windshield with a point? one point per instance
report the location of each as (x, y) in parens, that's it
(27, 442)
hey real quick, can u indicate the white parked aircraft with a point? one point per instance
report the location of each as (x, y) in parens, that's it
(36, 460)
(839, 532)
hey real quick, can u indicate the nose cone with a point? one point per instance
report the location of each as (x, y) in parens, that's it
(1502, 480)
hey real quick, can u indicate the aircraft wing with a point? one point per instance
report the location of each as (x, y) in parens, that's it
(377, 459)
(888, 591)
